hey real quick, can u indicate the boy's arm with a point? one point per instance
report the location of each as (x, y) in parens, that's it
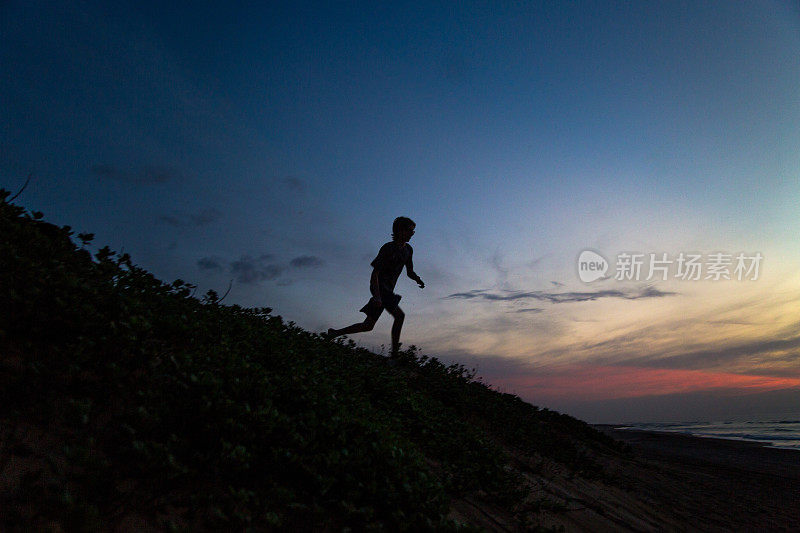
(374, 285)
(412, 274)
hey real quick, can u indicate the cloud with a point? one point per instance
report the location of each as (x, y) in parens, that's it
(566, 386)
(680, 344)
(201, 218)
(306, 261)
(775, 356)
(148, 175)
(534, 264)
(294, 184)
(589, 382)
(558, 297)
(209, 263)
(530, 310)
(496, 262)
(734, 322)
(250, 270)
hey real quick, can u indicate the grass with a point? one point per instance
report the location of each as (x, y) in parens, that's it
(125, 398)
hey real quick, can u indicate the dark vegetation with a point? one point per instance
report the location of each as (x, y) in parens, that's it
(125, 400)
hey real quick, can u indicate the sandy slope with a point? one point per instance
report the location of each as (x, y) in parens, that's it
(668, 483)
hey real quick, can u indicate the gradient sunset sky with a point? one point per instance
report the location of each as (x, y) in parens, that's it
(273, 143)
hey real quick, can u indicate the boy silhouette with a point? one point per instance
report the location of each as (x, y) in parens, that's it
(386, 268)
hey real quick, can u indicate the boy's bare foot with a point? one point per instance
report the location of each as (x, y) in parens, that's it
(394, 354)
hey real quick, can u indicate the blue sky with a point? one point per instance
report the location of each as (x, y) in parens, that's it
(273, 144)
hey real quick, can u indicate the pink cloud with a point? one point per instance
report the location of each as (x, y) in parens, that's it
(591, 383)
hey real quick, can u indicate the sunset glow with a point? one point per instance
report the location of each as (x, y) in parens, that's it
(274, 157)
(587, 383)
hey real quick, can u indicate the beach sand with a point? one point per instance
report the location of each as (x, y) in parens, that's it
(704, 484)
(668, 482)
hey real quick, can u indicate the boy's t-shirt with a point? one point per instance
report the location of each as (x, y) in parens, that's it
(389, 263)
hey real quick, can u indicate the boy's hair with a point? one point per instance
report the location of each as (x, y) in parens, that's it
(401, 223)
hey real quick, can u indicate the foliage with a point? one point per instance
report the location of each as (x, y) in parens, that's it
(199, 415)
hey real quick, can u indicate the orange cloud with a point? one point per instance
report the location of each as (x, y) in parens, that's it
(590, 383)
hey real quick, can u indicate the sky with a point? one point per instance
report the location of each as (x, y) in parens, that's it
(269, 146)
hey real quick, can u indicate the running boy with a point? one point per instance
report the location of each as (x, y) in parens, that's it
(386, 268)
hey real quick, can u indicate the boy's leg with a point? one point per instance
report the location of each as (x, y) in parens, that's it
(399, 316)
(360, 327)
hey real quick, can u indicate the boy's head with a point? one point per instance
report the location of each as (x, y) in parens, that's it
(404, 226)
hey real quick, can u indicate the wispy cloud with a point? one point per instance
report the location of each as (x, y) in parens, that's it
(496, 261)
(306, 261)
(559, 297)
(248, 269)
(534, 263)
(210, 263)
(593, 382)
(545, 384)
(775, 356)
(251, 269)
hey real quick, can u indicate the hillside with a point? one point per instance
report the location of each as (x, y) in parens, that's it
(129, 404)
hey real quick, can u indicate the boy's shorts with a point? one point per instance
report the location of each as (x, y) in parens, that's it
(373, 309)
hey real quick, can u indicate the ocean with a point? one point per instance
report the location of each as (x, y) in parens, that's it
(774, 433)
